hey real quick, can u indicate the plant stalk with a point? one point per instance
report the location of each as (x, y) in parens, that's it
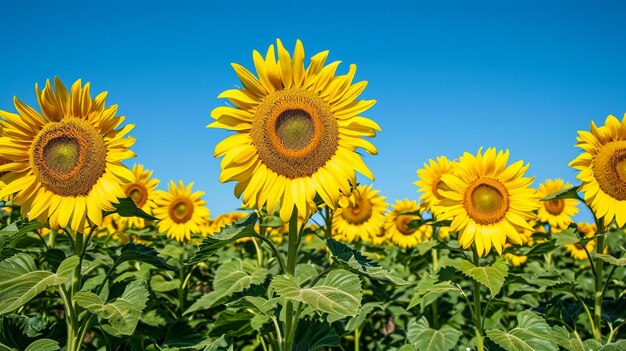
(290, 323)
(599, 289)
(477, 313)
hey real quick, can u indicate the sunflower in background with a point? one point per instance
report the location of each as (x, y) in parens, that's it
(429, 181)
(557, 213)
(143, 193)
(577, 251)
(602, 168)
(398, 227)
(360, 215)
(488, 202)
(65, 162)
(180, 211)
(297, 132)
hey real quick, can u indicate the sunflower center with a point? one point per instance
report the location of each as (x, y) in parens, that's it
(402, 224)
(295, 132)
(486, 200)
(68, 157)
(138, 193)
(181, 210)
(554, 207)
(609, 169)
(359, 213)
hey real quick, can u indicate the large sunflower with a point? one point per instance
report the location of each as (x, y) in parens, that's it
(429, 181)
(180, 211)
(398, 224)
(65, 162)
(602, 168)
(143, 193)
(297, 131)
(488, 201)
(557, 213)
(362, 216)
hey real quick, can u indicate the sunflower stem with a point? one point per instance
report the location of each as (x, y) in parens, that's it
(434, 304)
(477, 313)
(599, 288)
(291, 269)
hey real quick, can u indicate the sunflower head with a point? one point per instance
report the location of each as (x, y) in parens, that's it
(401, 227)
(64, 162)
(297, 130)
(181, 212)
(488, 201)
(577, 251)
(557, 213)
(360, 216)
(143, 192)
(602, 166)
(429, 181)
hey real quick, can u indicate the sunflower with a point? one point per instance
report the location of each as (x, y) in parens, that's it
(602, 168)
(586, 230)
(143, 193)
(362, 215)
(429, 181)
(397, 224)
(297, 132)
(557, 213)
(222, 221)
(488, 202)
(65, 162)
(180, 211)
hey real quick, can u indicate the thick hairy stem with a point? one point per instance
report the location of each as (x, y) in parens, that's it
(599, 289)
(477, 313)
(291, 269)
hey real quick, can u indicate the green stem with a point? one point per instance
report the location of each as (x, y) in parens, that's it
(599, 288)
(259, 253)
(269, 242)
(434, 304)
(291, 269)
(357, 339)
(477, 314)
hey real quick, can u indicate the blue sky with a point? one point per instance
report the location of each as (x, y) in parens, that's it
(449, 76)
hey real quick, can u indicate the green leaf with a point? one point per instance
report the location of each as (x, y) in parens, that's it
(43, 345)
(426, 246)
(365, 310)
(568, 236)
(314, 335)
(231, 277)
(532, 334)
(20, 281)
(561, 336)
(221, 344)
(127, 208)
(491, 277)
(12, 232)
(122, 313)
(339, 292)
(355, 262)
(425, 338)
(611, 260)
(615, 346)
(180, 334)
(143, 253)
(4, 347)
(429, 290)
(159, 284)
(209, 246)
(232, 323)
(571, 193)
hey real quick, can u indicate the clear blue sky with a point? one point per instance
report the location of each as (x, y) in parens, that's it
(449, 76)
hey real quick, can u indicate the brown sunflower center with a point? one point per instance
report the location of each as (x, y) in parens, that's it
(486, 200)
(358, 213)
(402, 224)
(181, 210)
(68, 157)
(438, 186)
(609, 169)
(138, 193)
(294, 132)
(554, 207)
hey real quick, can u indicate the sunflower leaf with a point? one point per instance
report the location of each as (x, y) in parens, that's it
(314, 335)
(425, 338)
(532, 333)
(209, 246)
(491, 277)
(568, 236)
(138, 252)
(10, 234)
(429, 290)
(571, 193)
(611, 260)
(43, 345)
(127, 208)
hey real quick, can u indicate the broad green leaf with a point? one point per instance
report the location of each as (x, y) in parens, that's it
(4, 347)
(429, 290)
(615, 346)
(143, 253)
(531, 334)
(159, 284)
(611, 260)
(241, 228)
(180, 334)
(491, 277)
(407, 347)
(339, 292)
(221, 344)
(20, 281)
(314, 335)
(571, 193)
(422, 336)
(561, 336)
(364, 312)
(124, 312)
(127, 208)
(43, 345)
(12, 232)
(236, 323)
(354, 261)
(231, 277)
(426, 246)
(568, 236)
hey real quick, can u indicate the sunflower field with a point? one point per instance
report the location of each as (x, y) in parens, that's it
(95, 256)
